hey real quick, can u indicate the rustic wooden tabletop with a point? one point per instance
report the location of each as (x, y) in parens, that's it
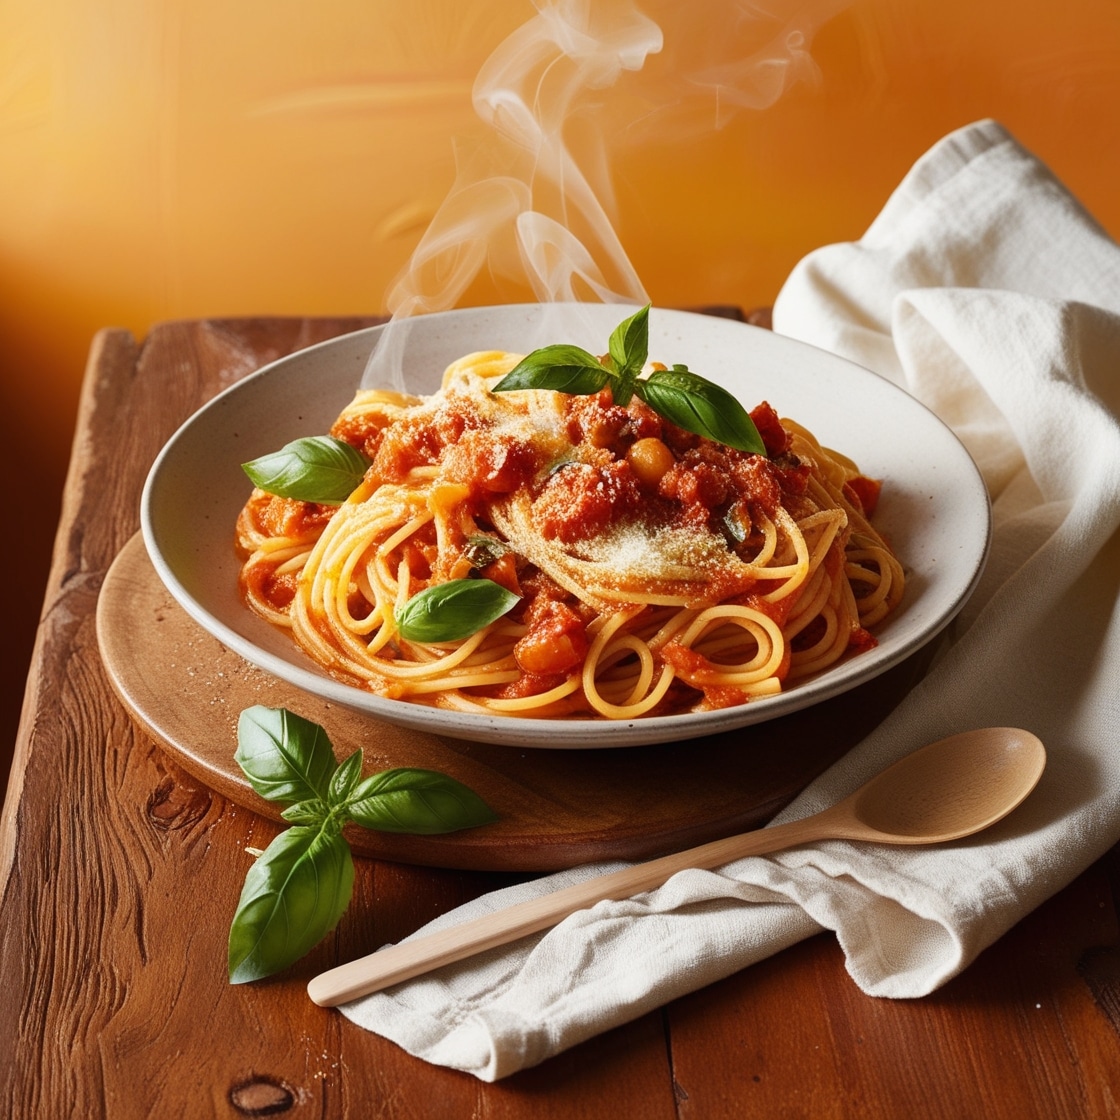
(118, 877)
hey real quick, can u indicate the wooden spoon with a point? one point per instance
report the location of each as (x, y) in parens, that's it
(946, 790)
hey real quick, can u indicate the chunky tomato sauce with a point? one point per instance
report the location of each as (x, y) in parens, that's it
(269, 515)
(615, 465)
(622, 464)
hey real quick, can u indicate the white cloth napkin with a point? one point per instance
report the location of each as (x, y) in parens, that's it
(987, 292)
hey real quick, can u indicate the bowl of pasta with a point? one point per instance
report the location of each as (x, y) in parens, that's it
(568, 526)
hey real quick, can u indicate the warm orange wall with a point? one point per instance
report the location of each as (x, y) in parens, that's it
(895, 76)
(173, 159)
(165, 160)
(160, 160)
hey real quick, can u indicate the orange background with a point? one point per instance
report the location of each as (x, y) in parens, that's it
(171, 160)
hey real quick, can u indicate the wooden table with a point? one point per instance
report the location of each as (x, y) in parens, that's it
(118, 880)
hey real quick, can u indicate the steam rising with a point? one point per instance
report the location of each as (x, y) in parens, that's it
(528, 212)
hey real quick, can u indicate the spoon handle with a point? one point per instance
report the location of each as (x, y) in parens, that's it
(412, 958)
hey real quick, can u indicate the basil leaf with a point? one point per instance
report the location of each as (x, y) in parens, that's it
(482, 550)
(567, 369)
(448, 612)
(307, 812)
(294, 895)
(629, 348)
(284, 756)
(416, 801)
(629, 342)
(700, 406)
(345, 778)
(314, 469)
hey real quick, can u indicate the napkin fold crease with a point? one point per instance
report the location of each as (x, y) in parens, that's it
(986, 291)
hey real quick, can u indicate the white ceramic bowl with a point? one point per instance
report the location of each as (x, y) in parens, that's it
(934, 506)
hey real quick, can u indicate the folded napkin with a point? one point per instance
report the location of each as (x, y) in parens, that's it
(987, 292)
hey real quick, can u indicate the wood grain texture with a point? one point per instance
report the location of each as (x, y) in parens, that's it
(119, 872)
(555, 808)
(1016, 1035)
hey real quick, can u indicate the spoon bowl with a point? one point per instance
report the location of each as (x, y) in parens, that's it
(944, 791)
(947, 790)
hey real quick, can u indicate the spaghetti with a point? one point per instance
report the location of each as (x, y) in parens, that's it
(655, 571)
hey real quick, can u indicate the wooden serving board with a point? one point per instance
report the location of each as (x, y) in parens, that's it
(556, 808)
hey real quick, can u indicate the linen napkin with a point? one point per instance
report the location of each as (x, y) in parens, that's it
(987, 292)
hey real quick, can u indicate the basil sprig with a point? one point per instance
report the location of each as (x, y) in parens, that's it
(451, 611)
(299, 887)
(313, 469)
(678, 395)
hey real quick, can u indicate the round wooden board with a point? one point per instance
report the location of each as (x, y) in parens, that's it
(556, 808)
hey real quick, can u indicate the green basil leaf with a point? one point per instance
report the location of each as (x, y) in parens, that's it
(700, 406)
(284, 756)
(629, 341)
(416, 801)
(733, 526)
(567, 369)
(629, 348)
(448, 612)
(307, 812)
(345, 778)
(483, 550)
(314, 469)
(294, 895)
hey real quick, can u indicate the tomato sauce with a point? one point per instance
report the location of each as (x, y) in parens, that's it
(608, 466)
(273, 516)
